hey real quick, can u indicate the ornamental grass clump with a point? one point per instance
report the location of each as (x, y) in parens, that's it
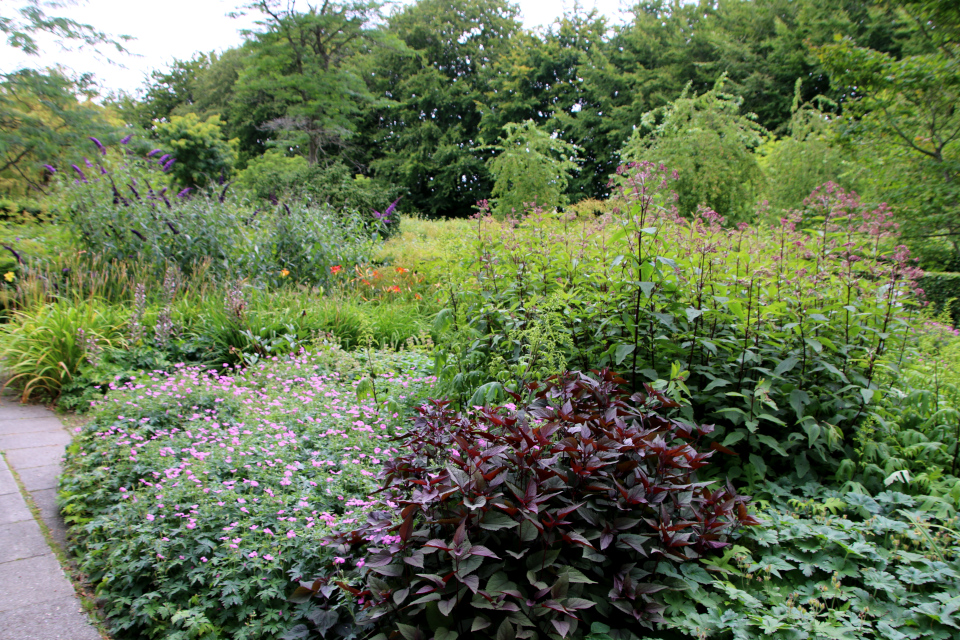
(542, 521)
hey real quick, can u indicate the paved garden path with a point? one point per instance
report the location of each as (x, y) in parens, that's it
(37, 601)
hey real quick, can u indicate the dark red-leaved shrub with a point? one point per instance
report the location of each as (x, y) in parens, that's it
(528, 523)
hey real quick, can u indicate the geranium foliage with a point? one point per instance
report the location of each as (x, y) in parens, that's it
(527, 523)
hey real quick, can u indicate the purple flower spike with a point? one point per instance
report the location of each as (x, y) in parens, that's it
(103, 149)
(87, 162)
(49, 168)
(79, 172)
(154, 152)
(164, 157)
(183, 194)
(169, 164)
(393, 205)
(126, 139)
(103, 171)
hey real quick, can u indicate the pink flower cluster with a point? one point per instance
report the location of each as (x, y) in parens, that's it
(262, 456)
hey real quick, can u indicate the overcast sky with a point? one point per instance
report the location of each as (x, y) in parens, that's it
(177, 29)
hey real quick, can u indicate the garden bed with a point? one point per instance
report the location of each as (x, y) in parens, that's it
(197, 497)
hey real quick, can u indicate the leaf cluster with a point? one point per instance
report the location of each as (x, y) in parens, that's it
(832, 565)
(532, 522)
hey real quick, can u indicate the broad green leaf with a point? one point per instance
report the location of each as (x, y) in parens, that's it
(622, 352)
(771, 442)
(786, 365)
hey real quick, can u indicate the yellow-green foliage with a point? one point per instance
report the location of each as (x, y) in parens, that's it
(199, 148)
(430, 247)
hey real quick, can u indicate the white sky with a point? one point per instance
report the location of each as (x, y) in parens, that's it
(178, 29)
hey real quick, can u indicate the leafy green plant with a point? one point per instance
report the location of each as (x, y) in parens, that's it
(829, 564)
(710, 143)
(779, 334)
(199, 154)
(531, 169)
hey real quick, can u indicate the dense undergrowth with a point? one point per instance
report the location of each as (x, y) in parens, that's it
(781, 335)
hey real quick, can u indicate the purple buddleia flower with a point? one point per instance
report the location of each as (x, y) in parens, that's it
(79, 172)
(103, 171)
(169, 164)
(87, 162)
(183, 194)
(154, 152)
(223, 194)
(136, 195)
(49, 168)
(164, 157)
(138, 234)
(172, 228)
(385, 216)
(100, 147)
(125, 139)
(393, 205)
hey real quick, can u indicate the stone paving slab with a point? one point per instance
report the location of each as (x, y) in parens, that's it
(13, 509)
(30, 440)
(37, 601)
(54, 620)
(14, 410)
(7, 483)
(46, 501)
(39, 478)
(21, 459)
(29, 425)
(21, 540)
(30, 581)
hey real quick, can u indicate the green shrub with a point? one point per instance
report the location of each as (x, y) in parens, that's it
(707, 140)
(779, 334)
(531, 168)
(200, 155)
(942, 291)
(273, 176)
